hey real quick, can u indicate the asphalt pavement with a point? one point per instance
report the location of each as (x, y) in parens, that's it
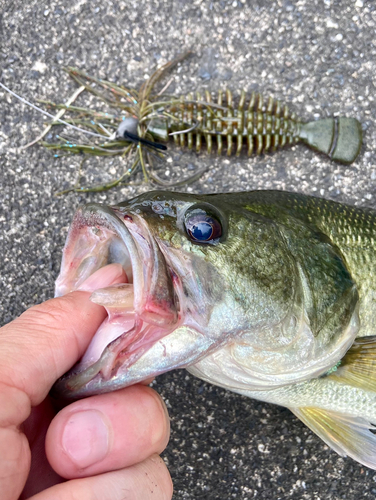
(319, 58)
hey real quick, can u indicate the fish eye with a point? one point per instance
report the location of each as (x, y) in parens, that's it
(202, 227)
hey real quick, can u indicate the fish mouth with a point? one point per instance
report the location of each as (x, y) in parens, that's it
(140, 311)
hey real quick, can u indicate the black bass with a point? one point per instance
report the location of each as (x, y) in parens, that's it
(268, 294)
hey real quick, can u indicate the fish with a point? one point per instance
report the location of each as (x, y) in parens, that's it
(268, 294)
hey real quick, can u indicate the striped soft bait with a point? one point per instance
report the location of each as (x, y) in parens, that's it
(254, 125)
(143, 122)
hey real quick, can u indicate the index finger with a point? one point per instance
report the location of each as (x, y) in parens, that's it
(46, 340)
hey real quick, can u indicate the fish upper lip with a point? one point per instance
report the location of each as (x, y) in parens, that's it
(142, 250)
(97, 217)
(108, 216)
(159, 299)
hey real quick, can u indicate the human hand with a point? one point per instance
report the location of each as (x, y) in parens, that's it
(104, 447)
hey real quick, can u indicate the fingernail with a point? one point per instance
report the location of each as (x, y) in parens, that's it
(163, 424)
(86, 438)
(105, 276)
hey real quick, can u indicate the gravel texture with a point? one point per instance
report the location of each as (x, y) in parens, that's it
(317, 56)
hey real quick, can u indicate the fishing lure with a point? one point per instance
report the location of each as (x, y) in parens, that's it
(144, 122)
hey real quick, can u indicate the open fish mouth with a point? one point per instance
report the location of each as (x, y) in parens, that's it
(140, 311)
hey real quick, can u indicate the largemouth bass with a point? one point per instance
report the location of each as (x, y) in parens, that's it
(268, 294)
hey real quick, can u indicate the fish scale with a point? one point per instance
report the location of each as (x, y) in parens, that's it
(351, 229)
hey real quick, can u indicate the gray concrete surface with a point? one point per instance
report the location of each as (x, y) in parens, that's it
(318, 56)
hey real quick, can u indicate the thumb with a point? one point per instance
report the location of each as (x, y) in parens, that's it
(46, 340)
(35, 350)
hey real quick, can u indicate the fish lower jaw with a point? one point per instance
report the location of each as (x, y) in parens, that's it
(127, 329)
(119, 343)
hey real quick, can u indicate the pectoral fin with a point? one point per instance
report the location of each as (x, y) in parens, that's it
(348, 436)
(358, 366)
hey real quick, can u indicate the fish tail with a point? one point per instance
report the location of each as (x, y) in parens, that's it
(349, 433)
(340, 138)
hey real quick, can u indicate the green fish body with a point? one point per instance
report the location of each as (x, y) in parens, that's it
(268, 294)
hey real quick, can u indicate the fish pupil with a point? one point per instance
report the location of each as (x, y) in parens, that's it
(203, 228)
(201, 231)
